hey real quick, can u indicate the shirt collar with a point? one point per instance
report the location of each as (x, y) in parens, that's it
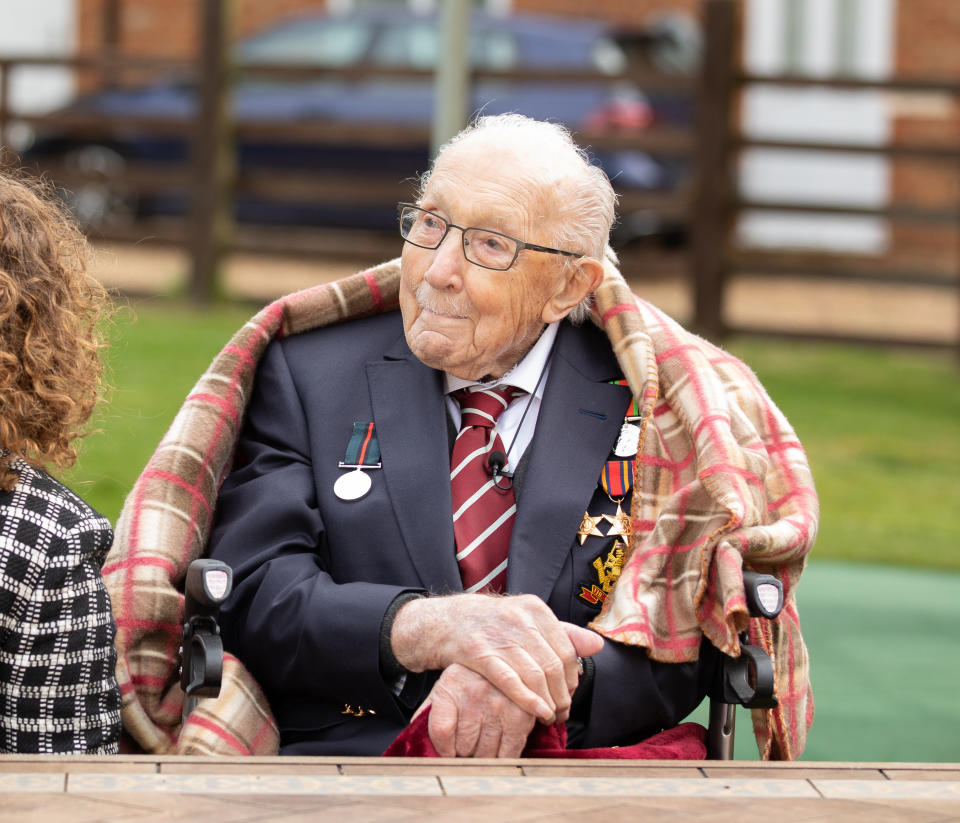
(525, 375)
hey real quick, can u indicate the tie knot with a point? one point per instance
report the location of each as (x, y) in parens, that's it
(484, 407)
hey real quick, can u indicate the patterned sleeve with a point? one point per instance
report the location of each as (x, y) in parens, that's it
(58, 690)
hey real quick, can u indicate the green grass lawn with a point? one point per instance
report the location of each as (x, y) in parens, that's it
(160, 349)
(882, 432)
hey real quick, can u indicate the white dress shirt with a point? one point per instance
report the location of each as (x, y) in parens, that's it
(525, 375)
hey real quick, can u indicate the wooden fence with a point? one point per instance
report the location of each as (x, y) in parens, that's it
(720, 202)
(709, 205)
(211, 179)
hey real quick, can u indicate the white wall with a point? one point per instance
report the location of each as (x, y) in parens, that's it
(38, 27)
(817, 38)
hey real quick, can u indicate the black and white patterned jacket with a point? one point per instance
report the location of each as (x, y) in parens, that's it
(58, 691)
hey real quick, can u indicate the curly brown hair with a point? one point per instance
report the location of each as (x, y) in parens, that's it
(50, 330)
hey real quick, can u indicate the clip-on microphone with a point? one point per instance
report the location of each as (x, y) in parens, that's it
(496, 460)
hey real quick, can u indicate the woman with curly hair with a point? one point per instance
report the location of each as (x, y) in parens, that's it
(58, 691)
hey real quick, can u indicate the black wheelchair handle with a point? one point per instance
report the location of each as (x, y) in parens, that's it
(748, 679)
(202, 663)
(207, 586)
(764, 594)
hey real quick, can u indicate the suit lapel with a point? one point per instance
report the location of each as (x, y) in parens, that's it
(408, 408)
(577, 426)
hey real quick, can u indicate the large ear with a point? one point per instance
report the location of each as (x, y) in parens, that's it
(582, 277)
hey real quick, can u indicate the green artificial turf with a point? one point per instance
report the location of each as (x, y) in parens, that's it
(884, 664)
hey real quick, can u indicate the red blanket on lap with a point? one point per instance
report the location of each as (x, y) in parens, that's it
(683, 742)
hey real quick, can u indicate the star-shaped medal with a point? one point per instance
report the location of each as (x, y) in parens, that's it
(620, 524)
(588, 527)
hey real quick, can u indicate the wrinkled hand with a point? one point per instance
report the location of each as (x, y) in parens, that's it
(471, 718)
(515, 642)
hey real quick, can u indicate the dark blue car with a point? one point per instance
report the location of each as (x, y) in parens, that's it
(384, 118)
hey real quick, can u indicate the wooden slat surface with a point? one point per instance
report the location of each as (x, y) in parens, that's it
(144, 788)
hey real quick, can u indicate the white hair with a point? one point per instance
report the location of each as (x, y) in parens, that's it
(582, 199)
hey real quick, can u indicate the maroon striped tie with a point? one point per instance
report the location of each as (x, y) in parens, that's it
(482, 512)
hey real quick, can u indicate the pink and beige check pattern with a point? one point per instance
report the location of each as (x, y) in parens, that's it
(721, 482)
(482, 511)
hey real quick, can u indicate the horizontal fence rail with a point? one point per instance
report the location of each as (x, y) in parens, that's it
(721, 203)
(707, 204)
(305, 187)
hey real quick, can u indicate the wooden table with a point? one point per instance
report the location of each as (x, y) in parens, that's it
(284, 790)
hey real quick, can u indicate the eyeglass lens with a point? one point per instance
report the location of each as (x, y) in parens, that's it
(481, 246)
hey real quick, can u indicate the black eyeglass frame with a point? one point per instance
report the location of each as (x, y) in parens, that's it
(521, 244)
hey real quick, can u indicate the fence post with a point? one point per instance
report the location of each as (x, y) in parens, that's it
(452, 74)
(712, 157)
(211, 226)
(110, 34)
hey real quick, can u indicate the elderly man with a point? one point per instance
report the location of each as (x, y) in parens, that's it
(428, 507)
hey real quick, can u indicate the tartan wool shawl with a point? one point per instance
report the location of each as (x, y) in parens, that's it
(721, 481)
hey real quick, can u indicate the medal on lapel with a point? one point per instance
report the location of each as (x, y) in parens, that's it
(363, 452)
(608, 572)
(588, 527)
(629, 440)
(616, 479)
(620, 525)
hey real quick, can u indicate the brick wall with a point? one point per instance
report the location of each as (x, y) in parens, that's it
(167, 28)
(928, 37)
(928, 45)
(623, 12)
(170, 28)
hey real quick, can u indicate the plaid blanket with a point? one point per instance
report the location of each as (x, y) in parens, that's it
(721, 481)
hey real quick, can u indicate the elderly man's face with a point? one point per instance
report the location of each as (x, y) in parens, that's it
(460, 317)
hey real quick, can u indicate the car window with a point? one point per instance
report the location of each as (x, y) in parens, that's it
(415, 46)
(557, 47)
(332, 43)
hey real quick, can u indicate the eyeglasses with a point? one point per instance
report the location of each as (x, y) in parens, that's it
(482, 247)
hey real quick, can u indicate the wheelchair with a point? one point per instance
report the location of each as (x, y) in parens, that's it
(746, 680)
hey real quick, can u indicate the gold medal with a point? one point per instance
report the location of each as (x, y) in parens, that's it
(588, 527)
(620, 524)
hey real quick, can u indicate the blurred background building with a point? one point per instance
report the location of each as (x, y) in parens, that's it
(845, 158)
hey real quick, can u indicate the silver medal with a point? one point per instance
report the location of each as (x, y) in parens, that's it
(628, 442)
(352, 485)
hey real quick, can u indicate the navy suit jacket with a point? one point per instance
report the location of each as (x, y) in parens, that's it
(314, 575)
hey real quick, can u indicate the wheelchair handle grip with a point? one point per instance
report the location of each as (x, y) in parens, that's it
(764, 594)
(202, 666)
(208, 584)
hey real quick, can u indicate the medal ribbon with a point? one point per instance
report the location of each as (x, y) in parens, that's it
(363, 448)
(617, 478)
(633, 410)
